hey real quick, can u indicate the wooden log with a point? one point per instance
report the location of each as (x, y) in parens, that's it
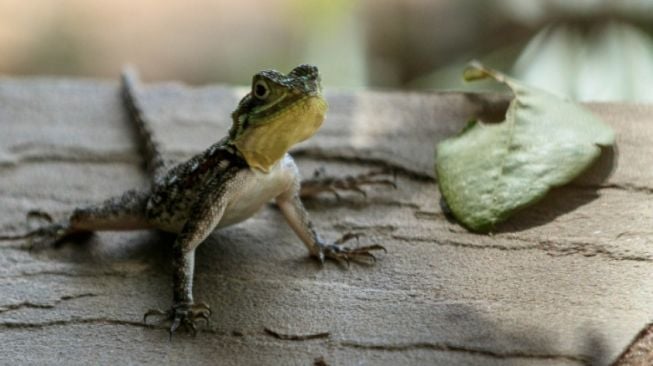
(565, 282)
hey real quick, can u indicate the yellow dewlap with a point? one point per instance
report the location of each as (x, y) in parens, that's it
(264, 145)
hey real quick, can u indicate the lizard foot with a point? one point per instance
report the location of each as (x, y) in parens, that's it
(44, 236)
(53, 233)
(183, 314)
(341, 253)
(47, 236)
(322, 183)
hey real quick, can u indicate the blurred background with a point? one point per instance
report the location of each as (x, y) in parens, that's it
(584, 49)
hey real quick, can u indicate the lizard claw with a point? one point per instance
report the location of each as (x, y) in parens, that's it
(348, 236)
(183, 314)
(49, 234)
(53, 235)
(342, 253)
(153, 312)
(371, 178)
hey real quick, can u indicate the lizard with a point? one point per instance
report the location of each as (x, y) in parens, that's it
(226, 184)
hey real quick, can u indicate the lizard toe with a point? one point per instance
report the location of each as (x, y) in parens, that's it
(343, 254)
(183, 315)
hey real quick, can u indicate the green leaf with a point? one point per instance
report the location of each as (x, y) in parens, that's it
(490, 170)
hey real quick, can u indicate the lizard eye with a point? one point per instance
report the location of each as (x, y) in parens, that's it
(261, 90)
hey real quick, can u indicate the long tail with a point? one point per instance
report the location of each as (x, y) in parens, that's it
(153, 158)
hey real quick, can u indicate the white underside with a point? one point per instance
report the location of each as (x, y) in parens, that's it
(254, 189)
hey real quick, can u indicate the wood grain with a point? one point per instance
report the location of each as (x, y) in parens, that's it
(563, 283)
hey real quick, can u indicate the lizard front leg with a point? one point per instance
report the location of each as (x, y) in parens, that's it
(297, 217)
(206, 214)
(184, 311)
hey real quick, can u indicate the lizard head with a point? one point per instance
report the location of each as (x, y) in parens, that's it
(278, 112)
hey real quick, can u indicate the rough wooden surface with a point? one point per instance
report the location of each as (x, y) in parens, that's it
(640, 351)
(564, 283)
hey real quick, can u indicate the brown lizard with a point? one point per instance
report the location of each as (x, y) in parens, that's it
(226, 184)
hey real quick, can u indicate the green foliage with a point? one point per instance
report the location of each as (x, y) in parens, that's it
(566, 59)
(490, 170)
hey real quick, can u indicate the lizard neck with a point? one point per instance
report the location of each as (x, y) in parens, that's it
(264, 144)
(260, 162)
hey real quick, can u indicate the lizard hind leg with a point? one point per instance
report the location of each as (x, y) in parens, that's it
(320, 182)
(125, 212)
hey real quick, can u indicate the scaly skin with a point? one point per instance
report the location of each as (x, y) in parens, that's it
(225, 184)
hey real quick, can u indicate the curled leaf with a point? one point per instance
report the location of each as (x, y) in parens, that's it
(490, 170)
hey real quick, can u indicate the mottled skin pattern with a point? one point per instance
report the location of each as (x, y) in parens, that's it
(225, 184)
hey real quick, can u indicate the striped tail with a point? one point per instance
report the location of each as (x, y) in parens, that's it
(153, 158)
